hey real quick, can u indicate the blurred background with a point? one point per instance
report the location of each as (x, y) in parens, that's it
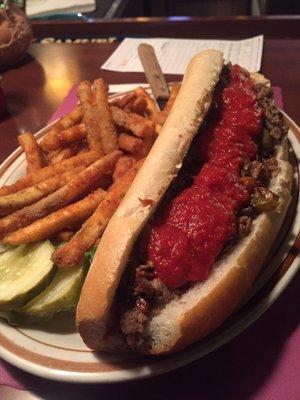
(86, 9)
(101, 21)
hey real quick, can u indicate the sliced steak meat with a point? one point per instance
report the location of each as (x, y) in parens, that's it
(134, 319)
(256, 170)
(144, 276)
(274, 125)
(163, 295)
(244, 226)
(146, 292)
(147, 285)
(259, 172)
(272, 165)
(262, 91)
(264, 200)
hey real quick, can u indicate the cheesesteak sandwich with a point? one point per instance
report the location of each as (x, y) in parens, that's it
(196, 225)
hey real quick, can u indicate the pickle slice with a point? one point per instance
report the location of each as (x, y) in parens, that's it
(61, 295)
(25, 271)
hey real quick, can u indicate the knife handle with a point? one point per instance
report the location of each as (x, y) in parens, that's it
(153, 72)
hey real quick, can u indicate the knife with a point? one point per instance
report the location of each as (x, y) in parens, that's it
(154, 74)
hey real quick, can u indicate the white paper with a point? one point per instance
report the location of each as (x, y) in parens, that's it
(35, 8)
(125, 87)
(174, 54)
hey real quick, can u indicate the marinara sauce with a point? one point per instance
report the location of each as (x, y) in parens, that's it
(190, 232)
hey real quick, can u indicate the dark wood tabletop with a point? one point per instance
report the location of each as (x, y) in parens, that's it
(36, 87)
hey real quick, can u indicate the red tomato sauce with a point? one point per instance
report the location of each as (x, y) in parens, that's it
(192, 229)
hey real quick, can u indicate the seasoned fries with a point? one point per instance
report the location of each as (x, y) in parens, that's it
(32, 151)
(32, 194)
(90, 118)
(70, 119)
(55, 222)
(136, 147)
(60, 155)
(125, 101)
(63, 236)
(130, 144)
(59, 139)
(123, 165)
(161, 116)
(101, 132)
(173, 94)
(44, 173)
(132, 103)
(93, 154)
(73, 134)
(62, 197)
(108, 134)
(151, 106)
(147, 145)
(70, 253)
(138, 125)
(137, 106)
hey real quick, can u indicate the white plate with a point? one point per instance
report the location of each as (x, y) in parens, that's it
(58, 353)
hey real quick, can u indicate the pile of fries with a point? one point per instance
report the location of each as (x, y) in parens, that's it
(80, 170)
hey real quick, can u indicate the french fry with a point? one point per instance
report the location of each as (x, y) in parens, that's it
(161, 116)
(57, 156)
(64, 137)
(70, 253)
(44, 173)
(49, 156)
(138, 125)
(90, 117)
(129, 143)
(73, 134)
(151, 106)
(137, 106)
(32, 194)
(158, 128)
(138, 148)
(32, 151)
(83, 149)
(70, 119)
(108, 134)
(62, 236)
(124, 101)
(101, 132)
(132, 103)
(97, 172)
(57, 221)
(123, 165)
(64, 154)
(173, 94)
(146, 147)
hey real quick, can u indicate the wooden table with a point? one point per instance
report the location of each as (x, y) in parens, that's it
(36, 87)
